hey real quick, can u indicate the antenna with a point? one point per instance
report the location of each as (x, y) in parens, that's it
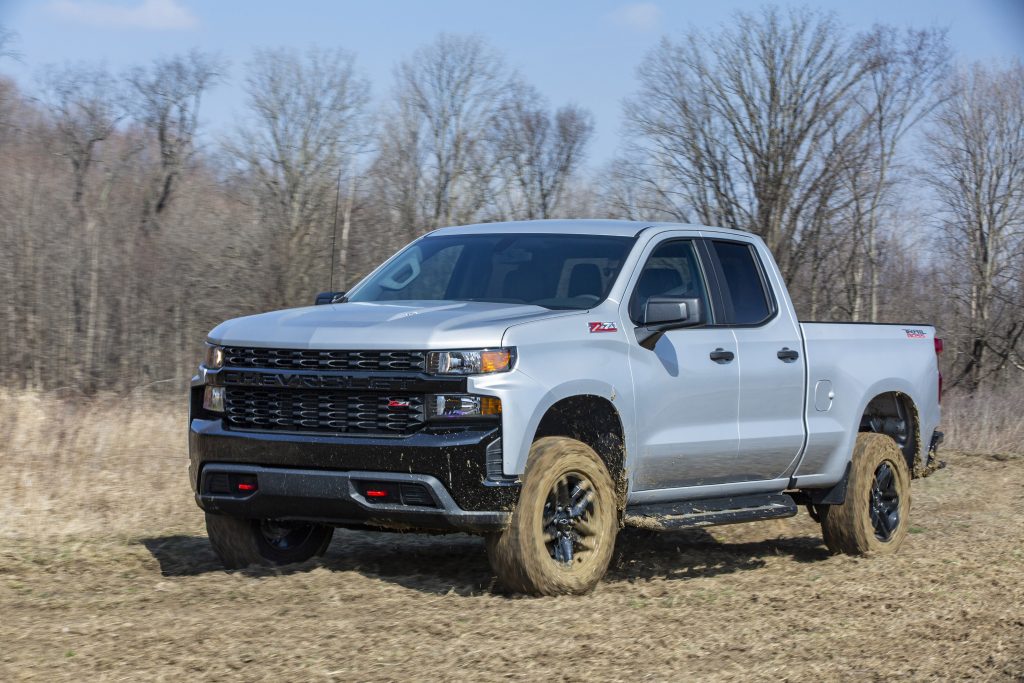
(334, 235)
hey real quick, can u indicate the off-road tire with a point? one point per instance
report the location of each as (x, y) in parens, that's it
(521, 557)
(848, 528)
(241, 542)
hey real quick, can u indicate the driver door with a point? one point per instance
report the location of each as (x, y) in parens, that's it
(686, 402)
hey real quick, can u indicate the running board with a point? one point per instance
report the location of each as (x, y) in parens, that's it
(709, 512)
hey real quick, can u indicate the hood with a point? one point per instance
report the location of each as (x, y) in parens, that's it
(389, 325)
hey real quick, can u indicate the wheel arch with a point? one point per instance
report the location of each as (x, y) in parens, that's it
(594, 420)
(894, 412)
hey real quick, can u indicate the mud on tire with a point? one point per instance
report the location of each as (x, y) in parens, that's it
(875, 516)
(240, 542)
(562, 532)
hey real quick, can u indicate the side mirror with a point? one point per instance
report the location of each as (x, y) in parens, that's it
(664, 313)
(329, 298)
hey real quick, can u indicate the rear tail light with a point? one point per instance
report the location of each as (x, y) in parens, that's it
(938, 352)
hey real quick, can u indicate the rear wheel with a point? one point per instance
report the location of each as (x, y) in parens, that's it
(875, 516)
(562, 532)
(242, 542)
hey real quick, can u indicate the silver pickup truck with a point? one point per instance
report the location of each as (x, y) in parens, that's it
(545, 384)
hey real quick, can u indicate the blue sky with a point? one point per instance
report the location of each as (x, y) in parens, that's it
(572, 50)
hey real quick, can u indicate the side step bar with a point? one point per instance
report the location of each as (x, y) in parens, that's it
(709, 512)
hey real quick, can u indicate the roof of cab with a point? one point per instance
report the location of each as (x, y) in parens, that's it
(584, 226)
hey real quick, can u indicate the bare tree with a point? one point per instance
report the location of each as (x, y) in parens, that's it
(976, 167)
(902, 89)
(308, 126)
(536, 153)
(85, 106)
(7, 40)
(783, 124)
(398, 175)
(444, 97)
(166, 100)
(751, 126)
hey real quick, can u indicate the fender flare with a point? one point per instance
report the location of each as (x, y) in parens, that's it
(620, 402)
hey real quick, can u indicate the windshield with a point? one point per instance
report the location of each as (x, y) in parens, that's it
(553, 271)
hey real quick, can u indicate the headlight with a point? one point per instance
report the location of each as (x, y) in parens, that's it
(470, 362)
(214, 357)
(450, 406)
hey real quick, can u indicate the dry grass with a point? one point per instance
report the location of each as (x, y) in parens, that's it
(105, 574)
(990, 422)
(87, 467)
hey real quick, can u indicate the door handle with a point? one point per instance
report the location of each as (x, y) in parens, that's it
(787, 355)
(720, 355)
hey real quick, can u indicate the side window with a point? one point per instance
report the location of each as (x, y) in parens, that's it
(672, 269)
(744, 286)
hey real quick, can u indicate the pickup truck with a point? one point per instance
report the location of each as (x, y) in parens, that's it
(546, 383)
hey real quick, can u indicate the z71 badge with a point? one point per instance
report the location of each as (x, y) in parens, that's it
(603, 327)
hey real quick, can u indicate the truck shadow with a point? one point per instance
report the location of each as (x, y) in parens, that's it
(458, 563)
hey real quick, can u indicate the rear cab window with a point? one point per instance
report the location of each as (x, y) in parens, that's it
(744, 288)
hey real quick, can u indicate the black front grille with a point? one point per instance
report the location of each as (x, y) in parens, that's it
(298, 359)
(323, 411)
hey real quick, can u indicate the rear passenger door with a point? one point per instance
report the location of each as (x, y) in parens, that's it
(769, 358)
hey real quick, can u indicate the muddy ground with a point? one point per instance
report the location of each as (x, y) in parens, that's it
(761, 601)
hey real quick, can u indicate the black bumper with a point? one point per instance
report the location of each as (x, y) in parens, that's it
(319, 477)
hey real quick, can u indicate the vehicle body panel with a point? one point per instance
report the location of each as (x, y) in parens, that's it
(771, 401)
(862, 362)
(390, 325)
(687, 427)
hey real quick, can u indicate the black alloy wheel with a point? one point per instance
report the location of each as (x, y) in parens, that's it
(885, 502)
(875, 514)
(567, 513)
(285, 537)
(561, 535)
(241, 542)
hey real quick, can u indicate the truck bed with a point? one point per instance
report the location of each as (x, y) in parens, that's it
(854, 362)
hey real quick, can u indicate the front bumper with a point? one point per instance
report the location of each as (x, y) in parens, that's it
(336, 498)
(315, 477)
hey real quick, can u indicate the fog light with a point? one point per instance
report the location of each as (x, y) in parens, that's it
(448, 406)
(213, 399)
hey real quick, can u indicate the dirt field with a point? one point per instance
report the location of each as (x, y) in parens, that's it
(106, 574)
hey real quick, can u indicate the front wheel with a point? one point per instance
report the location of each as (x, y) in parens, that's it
(241, 542)
(875, 516)
(562, 532)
